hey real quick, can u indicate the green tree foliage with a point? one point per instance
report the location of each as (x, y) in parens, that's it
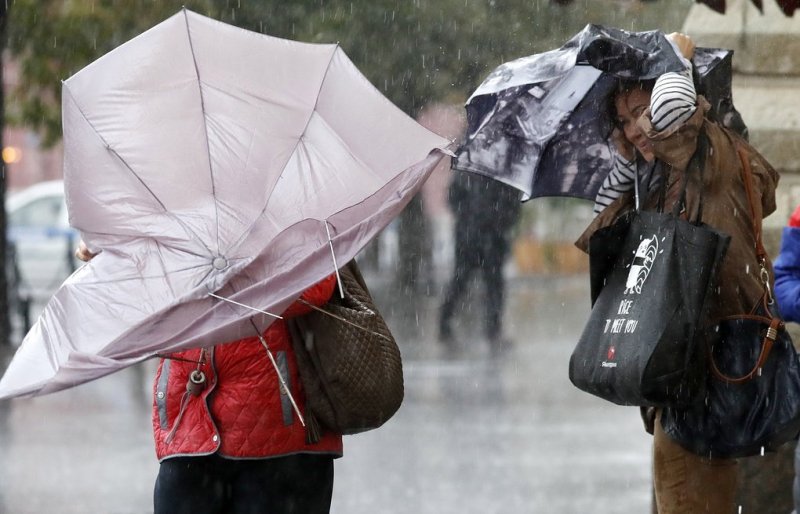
(52, 39)
(414, 51)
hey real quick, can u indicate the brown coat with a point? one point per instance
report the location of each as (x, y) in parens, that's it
(725, 203)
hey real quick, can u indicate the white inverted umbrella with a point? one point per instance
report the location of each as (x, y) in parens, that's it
(203, 162)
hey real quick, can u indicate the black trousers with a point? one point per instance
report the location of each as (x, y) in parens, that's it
(484, 254)
(296, 484)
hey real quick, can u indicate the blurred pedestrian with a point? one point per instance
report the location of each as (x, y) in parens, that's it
(787, 294)
(226, 434)
(659, 124)
(485, 212)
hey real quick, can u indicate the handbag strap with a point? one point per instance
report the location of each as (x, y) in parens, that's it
(761, 253)
(775, 323)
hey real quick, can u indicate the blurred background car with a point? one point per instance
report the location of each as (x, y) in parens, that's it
(41, 246)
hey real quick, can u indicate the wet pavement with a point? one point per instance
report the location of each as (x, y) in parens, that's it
(481, 430)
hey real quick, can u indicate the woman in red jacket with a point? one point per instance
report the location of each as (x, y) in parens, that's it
(232, 443)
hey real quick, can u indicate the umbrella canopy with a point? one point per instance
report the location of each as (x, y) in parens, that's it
(203, 159)
(542, 123)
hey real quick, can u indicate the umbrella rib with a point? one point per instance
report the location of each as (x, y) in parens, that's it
(343, 320)
(205, 124)
(333, 255)
(218, 297)
(297, 143)
(284, 386)
(108, 146)
(316, 100)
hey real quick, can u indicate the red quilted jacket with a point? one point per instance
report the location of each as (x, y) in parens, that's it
(241, 412)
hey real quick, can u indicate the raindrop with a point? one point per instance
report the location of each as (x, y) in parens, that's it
(746, 266)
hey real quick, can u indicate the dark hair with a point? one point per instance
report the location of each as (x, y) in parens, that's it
(625, 86)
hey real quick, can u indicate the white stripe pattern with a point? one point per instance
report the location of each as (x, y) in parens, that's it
(673, 100)
(618, 182)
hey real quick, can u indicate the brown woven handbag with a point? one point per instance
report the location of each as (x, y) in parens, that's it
(348, 361)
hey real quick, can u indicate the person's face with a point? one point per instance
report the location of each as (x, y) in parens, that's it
(630, 106)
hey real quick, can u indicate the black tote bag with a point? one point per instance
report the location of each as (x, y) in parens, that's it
(638, 346)
(654, 271)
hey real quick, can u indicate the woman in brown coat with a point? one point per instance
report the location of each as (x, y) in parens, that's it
(684, 482)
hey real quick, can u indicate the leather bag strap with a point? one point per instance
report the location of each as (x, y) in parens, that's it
(775, 323)
(761, 253)
(747, 177)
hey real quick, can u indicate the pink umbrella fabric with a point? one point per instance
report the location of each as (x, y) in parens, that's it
(203, 159)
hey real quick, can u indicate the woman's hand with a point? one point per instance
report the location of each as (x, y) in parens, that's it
(684, 44)
(83, 253)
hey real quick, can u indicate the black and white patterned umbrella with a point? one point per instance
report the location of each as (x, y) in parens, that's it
(542, 123)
